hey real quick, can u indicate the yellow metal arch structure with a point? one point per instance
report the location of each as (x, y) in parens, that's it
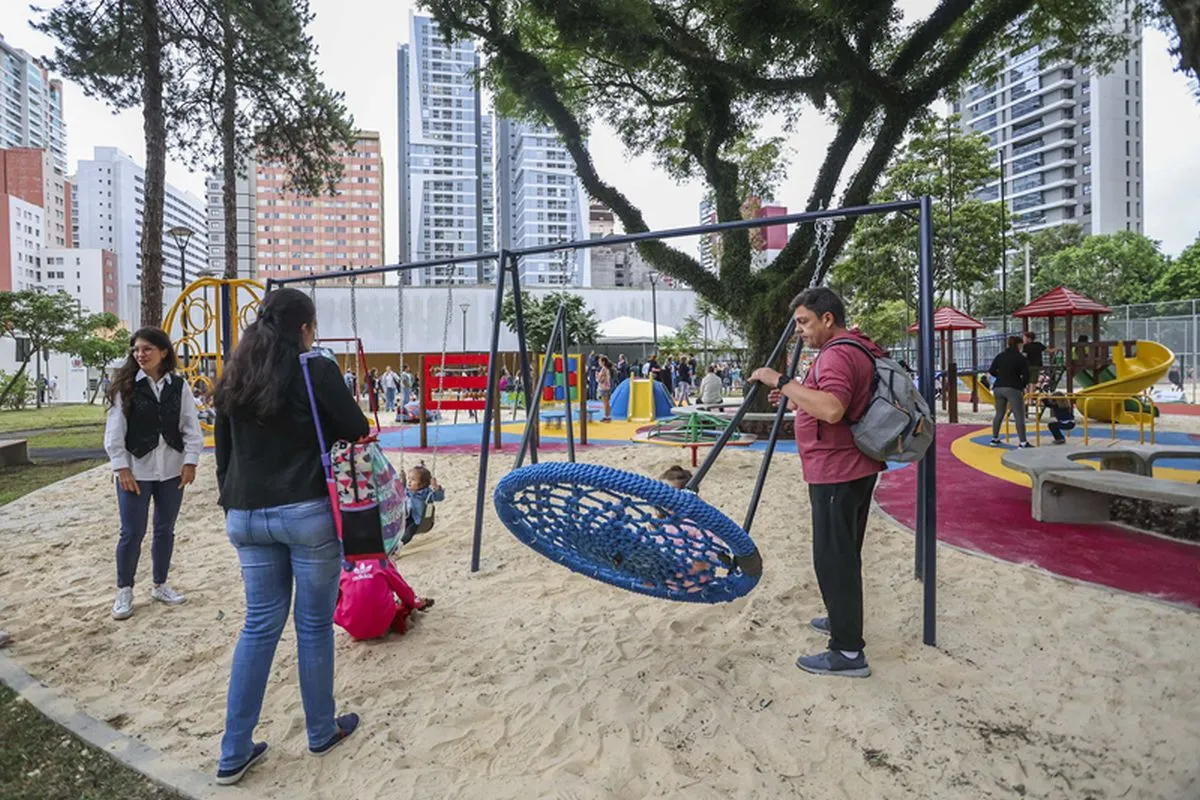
(195, 325)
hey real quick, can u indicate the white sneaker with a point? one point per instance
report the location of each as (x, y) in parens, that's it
(165, 594)
(123, 607)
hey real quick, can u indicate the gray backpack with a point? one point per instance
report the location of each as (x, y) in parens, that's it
(897, 425)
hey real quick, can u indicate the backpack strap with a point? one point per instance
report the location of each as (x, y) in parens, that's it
(862, 348)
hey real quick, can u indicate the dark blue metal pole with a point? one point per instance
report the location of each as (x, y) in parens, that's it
(522, 341)
(489, 408)
(748, 400)
(927, 469)
(566, 347)
(775, 428)
(528, 437)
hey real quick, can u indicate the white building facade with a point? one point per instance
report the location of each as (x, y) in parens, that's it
(444, 206)
(247, 221)
(25, 225)
(33, 106)
(108, 200)
(1071, 140)
(541, 202)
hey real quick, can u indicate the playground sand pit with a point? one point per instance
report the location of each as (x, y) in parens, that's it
(527, 680)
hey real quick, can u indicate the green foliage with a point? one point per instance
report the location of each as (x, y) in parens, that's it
(44, 320)
(885, 322)
(880, 264)
(98, 341)
(691, 85)
(1181, 278)
(539, 312)
(256, 62)
(1114, 269)
(19, 389)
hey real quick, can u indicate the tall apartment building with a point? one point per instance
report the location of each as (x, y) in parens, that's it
(88, 276)
(299, 235)
(541, 202)
(32, 117)
(108, 195)
(247, 222)
(446, 203)
(1071, 140)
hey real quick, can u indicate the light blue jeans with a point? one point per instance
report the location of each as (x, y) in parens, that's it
(276, 546)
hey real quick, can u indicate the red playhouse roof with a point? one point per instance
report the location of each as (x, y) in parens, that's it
(951, 319)
(1062, 302)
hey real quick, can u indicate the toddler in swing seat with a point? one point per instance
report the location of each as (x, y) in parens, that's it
(421, 489)
(677, 536)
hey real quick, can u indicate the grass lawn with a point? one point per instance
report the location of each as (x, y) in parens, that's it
(91, 436)
(41, 761)
(19, 481)
(56, 416)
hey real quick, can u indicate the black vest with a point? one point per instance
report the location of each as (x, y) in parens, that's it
(150, 418)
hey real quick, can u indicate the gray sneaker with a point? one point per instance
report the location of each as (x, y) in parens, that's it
(831, 662)
(820, 625)
(123, 606)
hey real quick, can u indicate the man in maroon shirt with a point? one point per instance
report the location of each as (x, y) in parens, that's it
(840, 477)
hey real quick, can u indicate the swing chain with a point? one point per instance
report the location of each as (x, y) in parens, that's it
(442, 369)
(823, 230)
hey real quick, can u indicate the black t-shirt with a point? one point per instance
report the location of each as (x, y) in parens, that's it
(1033, 353)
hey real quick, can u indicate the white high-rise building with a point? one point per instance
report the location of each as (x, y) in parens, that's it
(247, 220)
(445, 206)
(541, 202)
(107, 203)
(1071, 140)
(33, 106)
(26, 222)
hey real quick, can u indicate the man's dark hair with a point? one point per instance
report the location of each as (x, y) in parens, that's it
(821, 301)
(1031, 336)
(1014, 342)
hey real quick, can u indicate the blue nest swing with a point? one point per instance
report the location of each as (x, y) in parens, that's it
(630, 531)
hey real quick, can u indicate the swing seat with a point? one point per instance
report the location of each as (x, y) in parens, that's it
(411, 529)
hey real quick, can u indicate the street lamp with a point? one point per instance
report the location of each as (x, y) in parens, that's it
(653, 278)
(182, 234)
(464, 307)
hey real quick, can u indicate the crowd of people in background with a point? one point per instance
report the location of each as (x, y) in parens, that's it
(682, 375)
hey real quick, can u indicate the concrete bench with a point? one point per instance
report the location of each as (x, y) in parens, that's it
(1065, 490)
(13, 452)
(1086, 496)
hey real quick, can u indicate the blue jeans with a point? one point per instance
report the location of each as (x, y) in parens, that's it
(135, 513)
(389, 395)
(276, 546)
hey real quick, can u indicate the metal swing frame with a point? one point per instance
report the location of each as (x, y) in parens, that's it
(925, 549)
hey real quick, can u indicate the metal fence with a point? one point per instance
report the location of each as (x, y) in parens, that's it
(1175, 325)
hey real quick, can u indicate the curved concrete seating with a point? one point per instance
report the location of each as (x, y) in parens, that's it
(1065, 490)
(13, 452)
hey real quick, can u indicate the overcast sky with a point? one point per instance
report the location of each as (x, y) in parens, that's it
(358, 42)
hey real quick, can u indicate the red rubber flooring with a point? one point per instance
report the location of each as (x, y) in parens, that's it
(979, 512)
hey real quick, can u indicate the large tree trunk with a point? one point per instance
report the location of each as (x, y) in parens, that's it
(155, 129)
(228, 144)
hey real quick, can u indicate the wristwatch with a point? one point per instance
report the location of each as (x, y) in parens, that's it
(783, 381)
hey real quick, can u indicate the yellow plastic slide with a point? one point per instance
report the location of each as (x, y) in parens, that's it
(1127, 378)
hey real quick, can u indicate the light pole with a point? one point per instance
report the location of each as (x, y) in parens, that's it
(463, 307)
(653, 278)
(182, 234)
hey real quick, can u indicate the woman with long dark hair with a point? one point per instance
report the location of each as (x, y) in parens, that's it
(278, 517)
(153, 439)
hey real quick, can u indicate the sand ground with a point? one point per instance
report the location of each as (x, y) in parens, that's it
(527, 680)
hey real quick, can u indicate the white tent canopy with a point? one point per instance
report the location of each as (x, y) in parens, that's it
(627, 330)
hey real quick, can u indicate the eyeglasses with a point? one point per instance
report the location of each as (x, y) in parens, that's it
(135, 351)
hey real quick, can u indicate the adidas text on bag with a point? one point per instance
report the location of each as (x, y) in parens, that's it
(897, 425)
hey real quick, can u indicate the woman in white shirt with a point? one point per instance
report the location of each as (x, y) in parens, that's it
(153, 440)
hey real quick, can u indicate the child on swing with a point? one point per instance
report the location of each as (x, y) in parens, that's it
(677, 478)
(421, 489)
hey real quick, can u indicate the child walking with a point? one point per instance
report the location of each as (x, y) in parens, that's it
(153, 440)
